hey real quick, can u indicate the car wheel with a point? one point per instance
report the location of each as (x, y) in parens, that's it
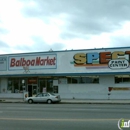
(49, 101)
(30, 101)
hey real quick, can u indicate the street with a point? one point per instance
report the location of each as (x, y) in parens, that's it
(22, 116)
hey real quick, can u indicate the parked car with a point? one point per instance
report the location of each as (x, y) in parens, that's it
(43, 97)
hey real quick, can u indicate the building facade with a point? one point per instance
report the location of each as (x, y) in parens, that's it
(74, 74)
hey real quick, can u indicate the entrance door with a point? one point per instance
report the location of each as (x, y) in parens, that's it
(32, 90)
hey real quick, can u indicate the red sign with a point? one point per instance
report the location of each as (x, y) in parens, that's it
(32, 81)
(32, 62)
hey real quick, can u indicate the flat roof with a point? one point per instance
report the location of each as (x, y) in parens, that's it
(52, 51)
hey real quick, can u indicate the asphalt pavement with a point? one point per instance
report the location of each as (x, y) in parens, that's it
(24, 116)
(74, 101)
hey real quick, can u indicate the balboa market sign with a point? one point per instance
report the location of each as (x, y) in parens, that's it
(32, 62)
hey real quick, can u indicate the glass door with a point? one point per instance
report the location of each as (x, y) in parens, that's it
(29, 90)
(32, 90)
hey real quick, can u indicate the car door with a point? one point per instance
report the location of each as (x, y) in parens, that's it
(45, 95)
(38, 98)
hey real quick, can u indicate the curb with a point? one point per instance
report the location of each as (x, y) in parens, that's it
(65, 102)
(11, 102)
(93, 103)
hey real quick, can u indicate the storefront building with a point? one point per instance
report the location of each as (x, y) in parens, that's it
(74, 74)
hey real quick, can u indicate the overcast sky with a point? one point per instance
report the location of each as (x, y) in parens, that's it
(41, 25)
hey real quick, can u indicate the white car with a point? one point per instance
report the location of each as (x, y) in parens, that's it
(43, 97)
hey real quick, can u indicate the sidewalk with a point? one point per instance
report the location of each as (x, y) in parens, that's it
(74, 101)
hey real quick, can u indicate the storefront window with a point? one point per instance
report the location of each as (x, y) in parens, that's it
(16, 85)
(49, 85)
(122, 79)
(10, 85)
(74, 80)
(42, 85)
(82, 79)
(69, 80)
(55, 89)
(22, 85)
(46, 85)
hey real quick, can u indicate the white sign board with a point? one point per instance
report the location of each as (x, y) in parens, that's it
(3, 63)
(39, 61)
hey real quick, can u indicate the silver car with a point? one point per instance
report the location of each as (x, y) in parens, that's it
(44, 97)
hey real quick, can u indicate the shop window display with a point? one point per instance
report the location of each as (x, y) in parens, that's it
(16, 85)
